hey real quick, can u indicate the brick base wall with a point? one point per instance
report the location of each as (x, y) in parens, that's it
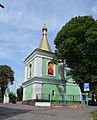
(29, 102)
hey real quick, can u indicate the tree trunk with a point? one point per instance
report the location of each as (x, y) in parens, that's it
(81, 88)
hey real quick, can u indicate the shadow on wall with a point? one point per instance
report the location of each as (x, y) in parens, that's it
(60, 71)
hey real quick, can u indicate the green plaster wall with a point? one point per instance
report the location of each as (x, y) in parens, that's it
(45, 68)
(73, 93)
(28, 92)
(72, 90)
(48, 88)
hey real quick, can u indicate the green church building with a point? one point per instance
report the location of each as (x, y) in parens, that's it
(43, 81)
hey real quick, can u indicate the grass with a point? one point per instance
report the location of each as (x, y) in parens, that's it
(94, 115)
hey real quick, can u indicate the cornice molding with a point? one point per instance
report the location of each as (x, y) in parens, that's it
(43, 81)
(40, 53)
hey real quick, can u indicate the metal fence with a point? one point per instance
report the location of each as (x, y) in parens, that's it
(64, 99)
(58, 98)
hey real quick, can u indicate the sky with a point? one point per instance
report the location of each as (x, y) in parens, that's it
(21, 22)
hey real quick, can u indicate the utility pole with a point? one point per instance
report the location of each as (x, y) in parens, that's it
(1, 6)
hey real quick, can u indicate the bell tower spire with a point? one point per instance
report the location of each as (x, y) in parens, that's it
(44, 44)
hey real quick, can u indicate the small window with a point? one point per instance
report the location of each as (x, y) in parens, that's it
(30, 69)
(53, 92)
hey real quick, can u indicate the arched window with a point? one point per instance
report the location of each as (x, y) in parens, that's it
(50, 68)
(30, 69)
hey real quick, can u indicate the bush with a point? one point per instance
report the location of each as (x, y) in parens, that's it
(12, 97)
(20, 94)
(94, 115)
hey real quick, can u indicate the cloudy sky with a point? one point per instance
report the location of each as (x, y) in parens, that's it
(21, 22)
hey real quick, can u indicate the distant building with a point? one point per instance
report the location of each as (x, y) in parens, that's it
(43, 79)
(6, 96)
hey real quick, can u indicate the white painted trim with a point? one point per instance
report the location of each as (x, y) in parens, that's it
(37, 55)
(54, 82)
(42, 104)
(25, 74)
(23, 94)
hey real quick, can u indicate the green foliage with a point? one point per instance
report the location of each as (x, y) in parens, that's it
(12, 97)
(76, 43)
(6, 77)
(20, 94)
(94, 115)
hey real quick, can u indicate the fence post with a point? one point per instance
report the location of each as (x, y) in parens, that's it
(50, 99)
(65, 102)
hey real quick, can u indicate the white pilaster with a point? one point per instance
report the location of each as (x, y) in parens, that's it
(38, 67)
(37, 87)
(23, 94)
(25, 77)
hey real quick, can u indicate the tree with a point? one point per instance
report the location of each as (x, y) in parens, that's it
(6, 77)
(76, 43)
(12, 97)
(20, 93)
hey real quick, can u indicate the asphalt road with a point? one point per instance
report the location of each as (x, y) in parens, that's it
(23, 112)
